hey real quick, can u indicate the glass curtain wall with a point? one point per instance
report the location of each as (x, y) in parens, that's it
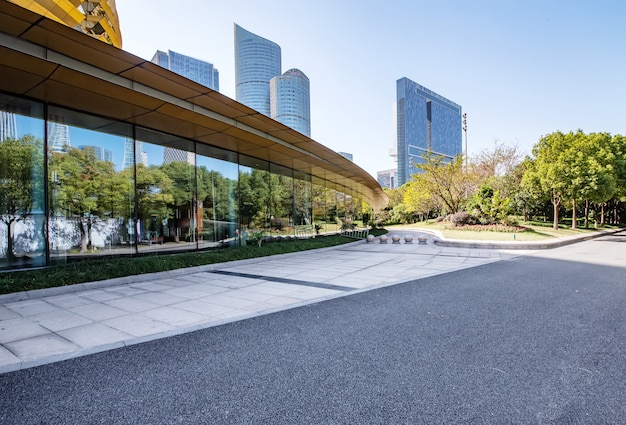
(303, 204)
(75, 186)
(90, 194)
(217, 181)
(282, 201)
(167, 215)
(254, 196)
(22, 204)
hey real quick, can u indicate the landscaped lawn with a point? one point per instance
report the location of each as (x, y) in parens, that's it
(533, 232)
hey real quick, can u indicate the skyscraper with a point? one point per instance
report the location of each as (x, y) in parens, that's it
(290, 101)
(257, 61)
(58, 136)
(195, 69)
(100, 153)
(426, 122)
(96, 18)
(8, 126)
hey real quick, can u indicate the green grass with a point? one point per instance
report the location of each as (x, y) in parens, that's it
(534, 231)
(95, 270)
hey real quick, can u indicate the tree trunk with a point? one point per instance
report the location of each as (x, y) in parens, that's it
(586, 213)
(556, 202)
(602, 216)
(574, 224)
(10, 254)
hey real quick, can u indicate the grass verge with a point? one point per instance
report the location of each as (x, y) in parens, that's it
(532, 231)
(108, 268)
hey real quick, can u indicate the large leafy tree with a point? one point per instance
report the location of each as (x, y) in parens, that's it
(548, 171)
(154, 193)
(447, 181)
(21, 182)
(86, 189)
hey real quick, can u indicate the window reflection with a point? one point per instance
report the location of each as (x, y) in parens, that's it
(90, 194)
(22, 222)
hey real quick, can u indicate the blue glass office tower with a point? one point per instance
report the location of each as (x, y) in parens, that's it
(257, 61)
(290, 101)
(196, 70)
(426, 122)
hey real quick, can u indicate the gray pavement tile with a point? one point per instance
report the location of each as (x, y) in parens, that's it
(68, 300)
(186, 293)
(131, 304)
(153, 286)
(138, 325)
(7, 358)
(30, 307)
(124, 290)
(20, 328)
(281, 301)
(202, 307)
(176, 316)
(59, 320)
(34, 348)
(250, 295)
(99, 295)
(230, 302)
(208, 288)
(159, 298)
(94, 335)
(6, 313)
(271, 288)
(98, 311)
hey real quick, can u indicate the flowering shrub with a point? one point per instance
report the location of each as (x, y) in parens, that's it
(491, 228)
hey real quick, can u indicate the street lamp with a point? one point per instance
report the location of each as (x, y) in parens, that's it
(465, 134)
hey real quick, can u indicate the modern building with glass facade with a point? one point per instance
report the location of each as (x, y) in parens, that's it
(290, 100)
(257, 61)
(97, 19)
(249, 172)
(426, 123)
(197, 70)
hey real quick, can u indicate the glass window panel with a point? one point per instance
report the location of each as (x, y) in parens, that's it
(166, 204)
(303, 212)
(90, 192)
(217, 179)
(22, 219)
(282, 200)
(254, 195)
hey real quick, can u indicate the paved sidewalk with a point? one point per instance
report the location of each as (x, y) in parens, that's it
(44, 326)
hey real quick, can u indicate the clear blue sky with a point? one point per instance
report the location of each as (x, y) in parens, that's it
(519, 68)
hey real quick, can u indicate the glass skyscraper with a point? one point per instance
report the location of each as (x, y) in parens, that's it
(426, 122)
(290, 101)
(196, 70)
(257, 61)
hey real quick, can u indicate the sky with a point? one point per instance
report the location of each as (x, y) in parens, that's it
(520, 69)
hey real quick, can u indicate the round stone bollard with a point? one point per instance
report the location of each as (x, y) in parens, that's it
(370, 238)
(395, 239)
(382, 238)
(408, 239)
(422, 239)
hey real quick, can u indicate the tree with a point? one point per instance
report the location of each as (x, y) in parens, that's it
(447, 182)
(21, 182)
(153, 191)
(548, 171)
(85, 189)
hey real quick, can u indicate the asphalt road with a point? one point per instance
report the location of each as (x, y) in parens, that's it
(536, 339)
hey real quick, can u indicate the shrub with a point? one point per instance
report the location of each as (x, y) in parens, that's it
(461, 218)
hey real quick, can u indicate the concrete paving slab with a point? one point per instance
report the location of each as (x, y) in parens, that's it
(30, 307)
(98, 311)
(59, 320)
(12, 330)
(7, 313)
(41, 346)
(95, 335)
(138, 325)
